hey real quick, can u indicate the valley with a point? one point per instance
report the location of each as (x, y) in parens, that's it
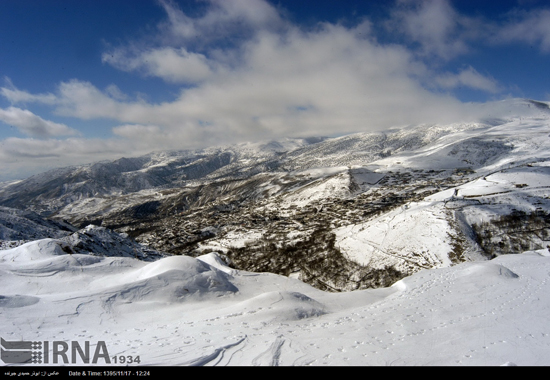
(346, 213)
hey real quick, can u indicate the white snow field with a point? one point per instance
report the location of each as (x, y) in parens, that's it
(181, 311)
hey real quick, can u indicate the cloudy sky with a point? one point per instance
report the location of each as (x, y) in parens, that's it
(85, 80)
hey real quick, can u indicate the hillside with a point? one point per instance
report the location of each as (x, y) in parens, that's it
(424, 245)
(198, 312)
(344, 213)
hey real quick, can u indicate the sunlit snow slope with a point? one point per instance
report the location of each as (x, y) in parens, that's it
(187, 311)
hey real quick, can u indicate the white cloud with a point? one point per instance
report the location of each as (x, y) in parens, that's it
(14, 148)
(170, 64)
(293, 83)
(435, 26)
(468, 77)
(13, 95)
(442, 32)
(222, 18)
(339, 81)
(273, 80)
(148, 137)
(114, 92)
(33, 125)
(22, 157)
(222, 21)
(83, 100)
(131, 131)
(326, 81)
(527, 27)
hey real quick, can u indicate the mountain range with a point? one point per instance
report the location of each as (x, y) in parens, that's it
(421, 245)
(340, 213)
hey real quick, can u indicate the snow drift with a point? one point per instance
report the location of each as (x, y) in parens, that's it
(183, 311)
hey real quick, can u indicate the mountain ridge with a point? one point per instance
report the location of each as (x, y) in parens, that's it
(352, 198)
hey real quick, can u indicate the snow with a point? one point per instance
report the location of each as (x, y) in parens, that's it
(187, 311)
(327, 186)
(234, 239)
(524, 188)
(93, 285)
(404, 237)
(36, 250)
(363, 176)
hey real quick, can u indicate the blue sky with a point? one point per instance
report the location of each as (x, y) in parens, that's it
(86, 80)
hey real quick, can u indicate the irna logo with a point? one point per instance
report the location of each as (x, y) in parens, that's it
(56, 352)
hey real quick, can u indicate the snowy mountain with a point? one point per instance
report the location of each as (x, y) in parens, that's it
(422, 245)
(345, 213)
(100, 241)
(18, 227)
(21, 227)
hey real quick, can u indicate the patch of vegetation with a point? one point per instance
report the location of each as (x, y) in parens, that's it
(457, 241)
(514, 233)
(317, 259)
(456, 255)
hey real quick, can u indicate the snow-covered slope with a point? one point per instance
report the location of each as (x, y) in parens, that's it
(100, 241)
(28, 228)
(187, 311)
(18, 226)
(414, 225)
(398, 200)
